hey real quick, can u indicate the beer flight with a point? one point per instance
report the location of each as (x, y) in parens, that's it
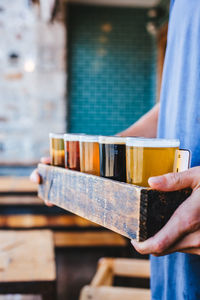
(132, 159)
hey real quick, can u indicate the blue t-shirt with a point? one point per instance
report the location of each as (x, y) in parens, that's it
(177, 276)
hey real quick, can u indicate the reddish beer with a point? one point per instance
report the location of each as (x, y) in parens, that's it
(72, 151)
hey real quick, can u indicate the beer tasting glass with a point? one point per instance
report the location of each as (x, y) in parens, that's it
(89, 154)
(57, 151)
(113, 157)
(149, 157)
(72, 151)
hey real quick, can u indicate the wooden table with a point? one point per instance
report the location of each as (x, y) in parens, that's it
(27, 263)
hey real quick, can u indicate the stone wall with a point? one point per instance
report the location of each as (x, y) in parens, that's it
(32, 82)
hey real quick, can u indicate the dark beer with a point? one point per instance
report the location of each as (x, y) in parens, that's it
(57, 151)
(113, 158)
(72, 152)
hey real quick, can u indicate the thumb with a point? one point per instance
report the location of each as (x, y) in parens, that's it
(171, 181)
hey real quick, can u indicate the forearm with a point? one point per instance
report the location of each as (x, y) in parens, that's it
(146, 126)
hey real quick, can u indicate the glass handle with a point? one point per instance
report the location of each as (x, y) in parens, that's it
(182, 160)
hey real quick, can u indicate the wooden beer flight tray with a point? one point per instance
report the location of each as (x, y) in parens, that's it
(129, 210)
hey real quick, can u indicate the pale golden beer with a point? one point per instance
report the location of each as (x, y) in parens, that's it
(89, 155)
(149, 157)
(57, 151)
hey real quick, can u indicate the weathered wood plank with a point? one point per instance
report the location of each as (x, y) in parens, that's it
(17, 184)
(42, 221)
(127, 267)
(111, 204)
(114, 293)
(88, 239)
(20, 200)
(139, 268)
(132, 211)
(30, 256)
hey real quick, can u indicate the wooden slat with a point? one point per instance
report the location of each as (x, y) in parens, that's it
(139, 268)
(31, 256)
(103, 276)
(132, 211)
(110, 267)
(132, 267)
(38, 221)
(20, 200)
(114, 293)
(17, 184)
(88, 239)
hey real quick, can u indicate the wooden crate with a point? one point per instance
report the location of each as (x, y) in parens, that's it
(132, 211)
(102, 287)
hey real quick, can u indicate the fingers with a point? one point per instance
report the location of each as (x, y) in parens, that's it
(176, 181)
(192, 251)
(48, 203)
(171, 181)
(45, 160)
(190, 242)
(35, 177)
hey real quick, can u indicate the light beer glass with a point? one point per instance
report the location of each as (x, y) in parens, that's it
(57, 151)
(113, 157)
(149, 157)
(72, 151)
(89, 154)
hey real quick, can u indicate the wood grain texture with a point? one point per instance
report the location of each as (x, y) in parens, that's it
(31, 256)
(128, 267)
(20, 200)
(42, 221)
(17, 184)
(114, 293)
(101, 285)
(129, 210)
(111, 204)
(88, 239)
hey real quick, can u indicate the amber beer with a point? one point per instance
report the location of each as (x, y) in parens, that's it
(149, 157)
(57, 151)
(89, 154)
(113, 157)
(72, 151)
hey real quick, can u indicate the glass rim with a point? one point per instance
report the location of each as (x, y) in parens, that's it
(72, 137)
(89, 138)
(112, 140)
(56, 135)
(152, 142)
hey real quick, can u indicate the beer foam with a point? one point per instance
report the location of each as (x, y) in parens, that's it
(89, 138)
(56, 135)
(152, 143)
(72, 137)
(112, 140)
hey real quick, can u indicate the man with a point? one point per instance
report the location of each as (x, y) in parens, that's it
(177, 276)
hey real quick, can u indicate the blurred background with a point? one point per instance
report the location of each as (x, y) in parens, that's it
(91, 66)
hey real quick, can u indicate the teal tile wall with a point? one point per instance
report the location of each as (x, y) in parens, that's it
(111, 68)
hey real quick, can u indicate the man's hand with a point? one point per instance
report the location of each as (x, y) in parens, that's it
(182, 232)
(35, 177)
